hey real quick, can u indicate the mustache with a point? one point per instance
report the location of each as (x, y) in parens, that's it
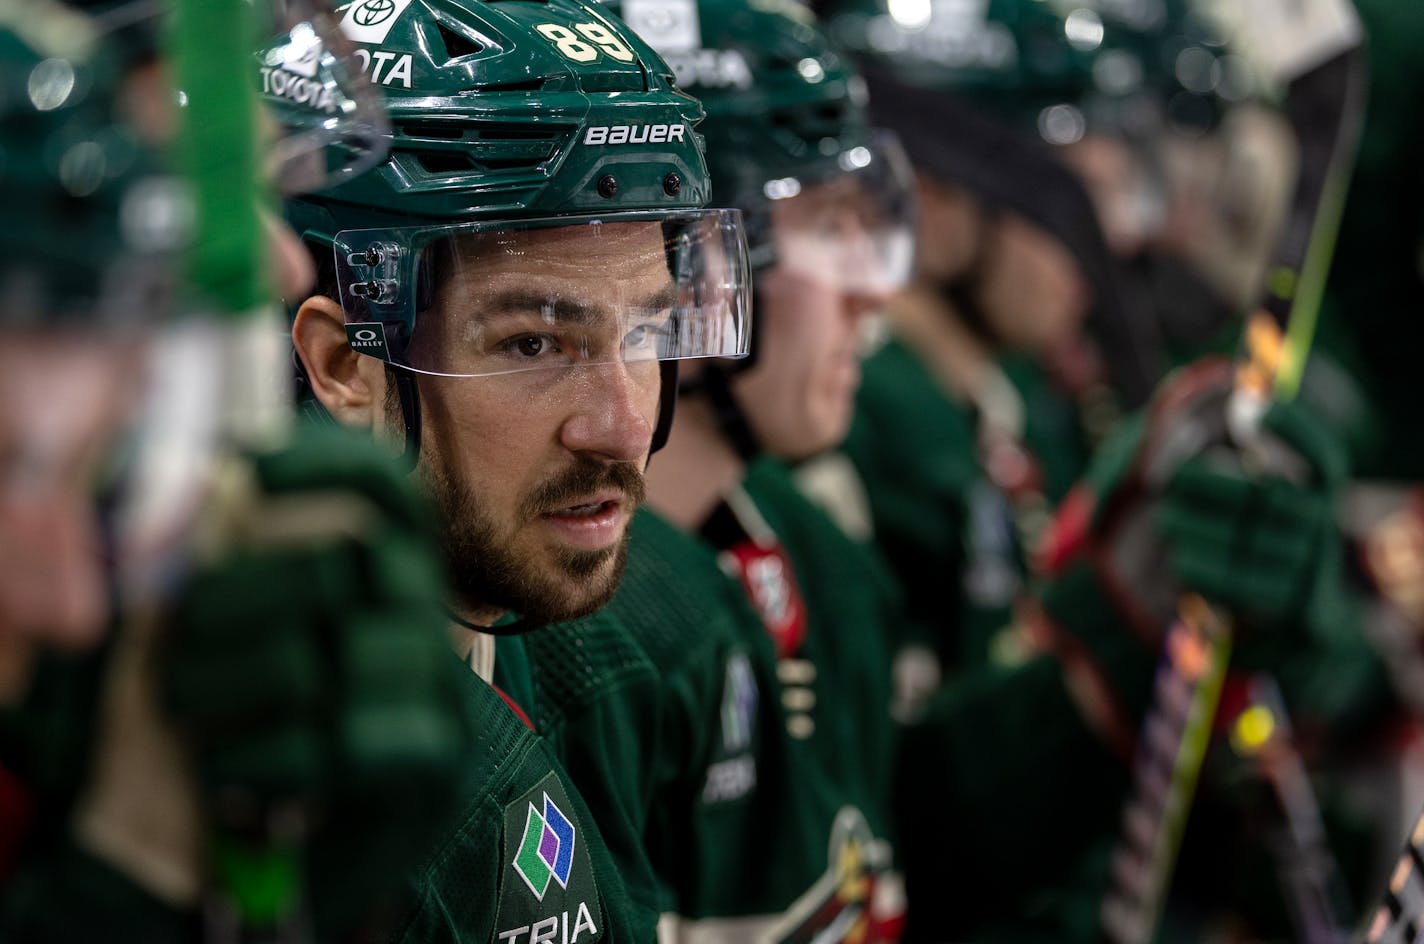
(579, 480)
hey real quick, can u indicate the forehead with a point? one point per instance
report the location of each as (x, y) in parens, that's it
(584, 262)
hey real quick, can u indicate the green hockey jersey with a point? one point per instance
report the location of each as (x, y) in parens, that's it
(945, 528)
(746, 789)
(843, 661)
(970, 788)
(522, 861)
(525, 861)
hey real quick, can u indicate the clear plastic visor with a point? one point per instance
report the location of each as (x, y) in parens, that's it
(331, 122)
(510, 297)
(853, 232)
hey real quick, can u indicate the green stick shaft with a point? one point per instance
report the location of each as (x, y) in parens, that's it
(217, 149)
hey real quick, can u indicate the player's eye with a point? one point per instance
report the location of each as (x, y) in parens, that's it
(531, 346)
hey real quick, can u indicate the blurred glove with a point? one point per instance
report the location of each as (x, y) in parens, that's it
(1259, 544)
(309, 666)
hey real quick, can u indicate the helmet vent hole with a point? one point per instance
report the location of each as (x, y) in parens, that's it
(533, 85)
(457, 45)
(621, 81)
(445, 162)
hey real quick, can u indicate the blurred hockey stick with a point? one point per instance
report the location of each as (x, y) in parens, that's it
(1314, 49)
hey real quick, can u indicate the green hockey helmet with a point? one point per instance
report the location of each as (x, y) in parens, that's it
(786, 125)
(94, 224)
(1016, 59)
(1159, 65)
(534, 144)
(982, 93)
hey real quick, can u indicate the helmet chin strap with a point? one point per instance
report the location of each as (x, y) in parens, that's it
(409, 395)
(667, 406)
(716, 385)
(516, 627)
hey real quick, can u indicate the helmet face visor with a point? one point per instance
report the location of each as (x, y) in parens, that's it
(527, 297)
(854, 232)
(331, 122)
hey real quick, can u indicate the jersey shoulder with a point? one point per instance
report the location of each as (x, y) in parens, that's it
(829, 563)
(677, 602)
(577, 663)
(523, 859)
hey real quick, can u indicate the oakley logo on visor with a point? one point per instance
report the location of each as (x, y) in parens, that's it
(368, 337)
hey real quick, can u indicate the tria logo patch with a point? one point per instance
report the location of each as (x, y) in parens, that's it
(547, 851)
(370, 21)
(555, 898)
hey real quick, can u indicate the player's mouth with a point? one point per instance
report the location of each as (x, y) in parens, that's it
(593, 522)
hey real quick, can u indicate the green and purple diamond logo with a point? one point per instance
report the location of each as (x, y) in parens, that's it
(547, 850)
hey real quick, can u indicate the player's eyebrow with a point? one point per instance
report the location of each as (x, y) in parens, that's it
(665, 297)
(553, 308)
(570, 310)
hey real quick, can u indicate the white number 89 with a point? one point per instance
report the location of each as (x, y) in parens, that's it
(571, 46)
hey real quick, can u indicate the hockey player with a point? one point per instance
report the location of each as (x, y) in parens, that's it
(955, 414)
(503, 301)
(755, 773)
(1012, 257)
(825, 601)
(112, 828)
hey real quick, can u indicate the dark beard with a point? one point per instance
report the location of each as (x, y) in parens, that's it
(484, 573)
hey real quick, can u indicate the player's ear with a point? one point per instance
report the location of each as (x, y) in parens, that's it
(351, 386)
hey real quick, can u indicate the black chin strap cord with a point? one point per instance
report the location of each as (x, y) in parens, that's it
(716, 385)
(409, 395)
(514, 628)
(667, 406)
